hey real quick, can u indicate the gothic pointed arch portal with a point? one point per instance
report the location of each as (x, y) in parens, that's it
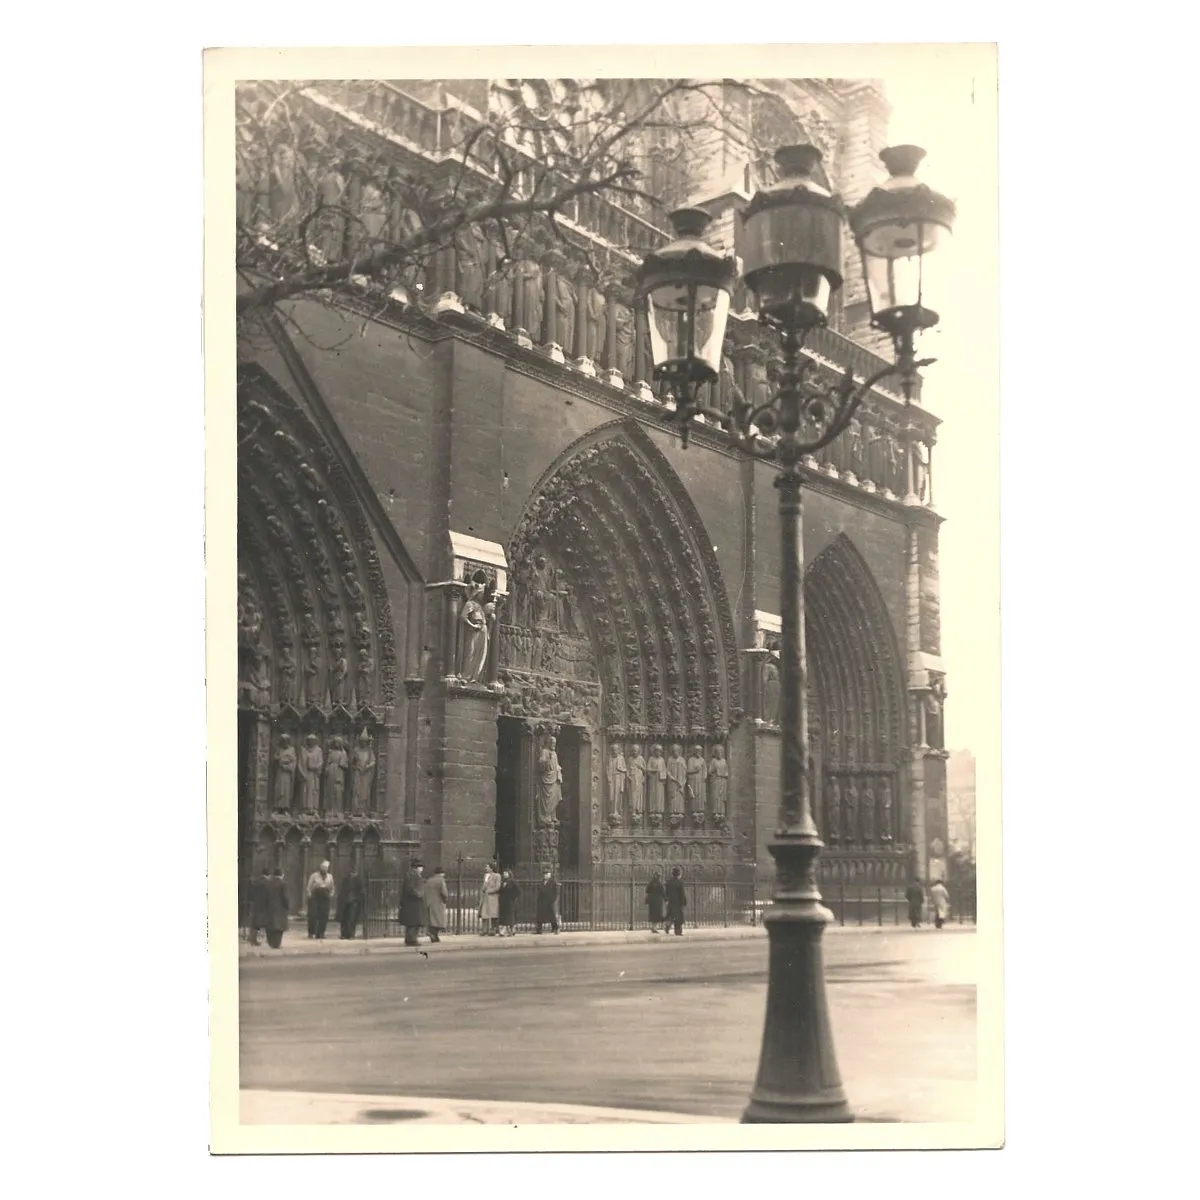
(620, 627)
(857, 718)
(317, 661)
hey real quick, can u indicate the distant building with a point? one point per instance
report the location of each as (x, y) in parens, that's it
(960, 801)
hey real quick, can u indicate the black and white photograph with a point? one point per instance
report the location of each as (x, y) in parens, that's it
(603, 585)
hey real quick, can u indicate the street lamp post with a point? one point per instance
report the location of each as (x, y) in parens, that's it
(793, 254)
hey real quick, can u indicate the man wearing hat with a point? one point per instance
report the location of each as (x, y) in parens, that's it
(412, 896)
(320, 897)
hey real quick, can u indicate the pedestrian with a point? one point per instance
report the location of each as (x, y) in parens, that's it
(412, 902)
(277, 908)
(436, 898)
(509, 894)
(676, 901)
(656, 896)
(547, 902)
(353, 905)
(941, 903)
(489, 902)
(915, 895)
(320, 895)
(258, 903)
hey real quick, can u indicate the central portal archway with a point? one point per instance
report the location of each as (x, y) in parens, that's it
(618, 643)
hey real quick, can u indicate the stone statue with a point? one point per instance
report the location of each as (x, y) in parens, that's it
(596, 324)
(718, 784)
(770, 688)
(833, 811)
(637, 784)
(854, 449)
(618, 777)
(697, 778)
(474, 636)
(529, 280)
(256, 686)
(549, 785)
(850, 824)
(470, 253)
(677, 774)
(287, 671)
(625, 331)
(545, 600)
(337, 762)
(656, 780)
(868, 815)
(403, 224)
(312, 759)
(374, 213)
(565, 298)
(330, 226)
(366, 668)
(363, 765)
(935, 698)
(339, 669)
(920, 453)
(312, 672)
(285, 774)
(885, 812)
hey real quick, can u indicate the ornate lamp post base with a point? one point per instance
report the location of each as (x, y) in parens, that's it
(798, 1080)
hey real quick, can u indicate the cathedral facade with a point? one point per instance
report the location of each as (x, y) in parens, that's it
(490, 606)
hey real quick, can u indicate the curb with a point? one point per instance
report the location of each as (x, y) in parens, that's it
(466, 943)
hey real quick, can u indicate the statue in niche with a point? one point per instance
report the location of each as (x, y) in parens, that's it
(920, 453)
(312, 672)
(656, 782)
(677, 773)
(366, 668)
(470, 253)
(285, 774)
(565, 299)
(287, 671)
(625, 333)
(854, 448)
(618, 777)
(339, 670)
(596, 324)
(868, 815)
(697, 778)
(545, 598)
(637, 784)
(850, 824)
(312, 759)
(935, 700)
(363, 765)
(256, 686)
(833, 810)
(718, 784)
(885, 812)
(549, 785)
(528, 277)
(770, 685)
(337, 762)
(475, 620)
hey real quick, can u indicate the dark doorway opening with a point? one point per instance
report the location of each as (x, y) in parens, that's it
(570, 747)
(508, 790)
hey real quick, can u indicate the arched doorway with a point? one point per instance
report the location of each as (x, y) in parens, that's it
(856, 700)
(617, 639)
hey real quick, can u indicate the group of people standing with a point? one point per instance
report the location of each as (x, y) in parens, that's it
(270, 905)
(938, 895)
(666, 902)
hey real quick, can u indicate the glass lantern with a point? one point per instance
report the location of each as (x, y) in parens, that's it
(897, 226)
(686, 286)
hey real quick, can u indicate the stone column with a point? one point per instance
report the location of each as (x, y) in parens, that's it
(455, 594)
(641, 346)
(306, 869)
(545, 336)
(610, 337)
(491, 670)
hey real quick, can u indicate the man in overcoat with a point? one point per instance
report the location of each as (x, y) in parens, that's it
(676, 900)
(435, 904)
(915, 895)
(412, 897)
(352, 910)
(276, 909)
(547, 902)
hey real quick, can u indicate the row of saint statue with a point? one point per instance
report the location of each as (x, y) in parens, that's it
(314, 778)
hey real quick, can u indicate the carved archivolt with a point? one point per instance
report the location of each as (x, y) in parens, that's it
(619, 532)
(315, 623)
(856, 699)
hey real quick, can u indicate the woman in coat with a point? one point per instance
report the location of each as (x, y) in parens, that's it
(509, 892)
(436, 898)
(676, 900)
(656, 896)
(489, 902)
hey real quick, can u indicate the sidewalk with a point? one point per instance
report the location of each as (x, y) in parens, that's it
(297, 943)
(320, 1108)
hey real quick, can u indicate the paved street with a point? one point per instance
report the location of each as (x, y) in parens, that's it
(673, 1027)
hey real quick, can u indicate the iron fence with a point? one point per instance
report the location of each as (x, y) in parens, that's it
(617, 904)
